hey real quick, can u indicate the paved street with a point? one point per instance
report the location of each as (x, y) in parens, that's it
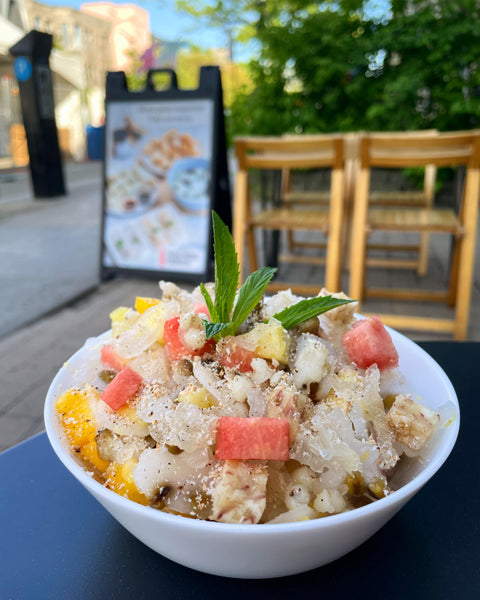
(49, 248)
(52, 300)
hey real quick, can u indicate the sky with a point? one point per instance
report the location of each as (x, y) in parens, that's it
(165, 22)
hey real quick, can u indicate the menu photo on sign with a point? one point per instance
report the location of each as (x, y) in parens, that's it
(158, 185)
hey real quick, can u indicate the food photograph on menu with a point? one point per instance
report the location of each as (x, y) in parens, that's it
(157, 185)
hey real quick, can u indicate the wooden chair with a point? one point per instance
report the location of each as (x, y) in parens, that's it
(277, 153)
(444, 149)
(309, 198)
(417, 252)
(409, 199)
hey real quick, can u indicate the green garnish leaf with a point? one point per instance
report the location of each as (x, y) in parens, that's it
(227, 276)
(213, 329)
(209, 302)
(250, 295)
(227, 315)
(307, 309)
(227, 272)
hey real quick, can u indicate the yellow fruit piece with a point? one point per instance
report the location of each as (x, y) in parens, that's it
(129, 414)
(118, 314)
(199, 397)
(74, 410)
(120, 480)
(142, 303)
(122, 318)
(270, 340)
(90, 453)
(78, 422)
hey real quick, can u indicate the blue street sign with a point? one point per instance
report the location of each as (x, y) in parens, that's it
(23, 68)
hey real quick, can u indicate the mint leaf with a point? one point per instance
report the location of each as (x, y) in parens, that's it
(227, 271)
(249, 295)
(213, 329)
(307, 309)
(209, 302)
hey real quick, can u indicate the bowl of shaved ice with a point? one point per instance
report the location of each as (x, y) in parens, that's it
(247, 435)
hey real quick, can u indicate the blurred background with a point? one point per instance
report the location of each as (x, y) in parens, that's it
(287, 66)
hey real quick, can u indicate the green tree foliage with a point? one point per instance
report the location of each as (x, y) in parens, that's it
(343, 67)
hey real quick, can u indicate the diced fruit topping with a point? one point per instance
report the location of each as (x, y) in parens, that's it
(78, 422)
(142, 303)
(111, 358)
(198, 396)
(120, 480)
(270, 341)
(201, 309)
(233, 355)
(122, 318)
(368, 343)
(178, 349)
(122, 388)
(252, 438)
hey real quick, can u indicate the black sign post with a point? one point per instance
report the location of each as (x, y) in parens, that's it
(34, 77)
(165, 169)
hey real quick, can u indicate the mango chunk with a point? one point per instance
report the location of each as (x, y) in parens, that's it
(119, 478)
(73, 408)
(142, 303)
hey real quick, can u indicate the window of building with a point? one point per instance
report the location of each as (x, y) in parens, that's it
(65, 38)
(48, 27)
(37, 23)
(77, 37)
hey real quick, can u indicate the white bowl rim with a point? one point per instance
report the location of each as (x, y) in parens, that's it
(403, 493)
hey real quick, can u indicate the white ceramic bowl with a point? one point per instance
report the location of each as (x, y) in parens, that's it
(259, 551)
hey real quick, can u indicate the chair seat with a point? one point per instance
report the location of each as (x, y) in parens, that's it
(287, 219)
(433, 220)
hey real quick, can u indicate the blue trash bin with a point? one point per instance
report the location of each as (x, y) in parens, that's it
(95, 142)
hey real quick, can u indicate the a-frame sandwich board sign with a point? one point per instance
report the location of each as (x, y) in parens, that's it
(165, 169)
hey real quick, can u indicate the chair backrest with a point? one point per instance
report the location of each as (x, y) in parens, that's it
(417, 149)
(299, 152)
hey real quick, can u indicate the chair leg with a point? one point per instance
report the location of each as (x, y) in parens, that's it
(250, 233)
(240, 217)
(290, 241)
(422, 264)
(333, 271)
(453, 279)
(467, 254)
(359, 236)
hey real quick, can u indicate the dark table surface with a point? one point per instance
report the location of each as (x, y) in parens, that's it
(57, 542)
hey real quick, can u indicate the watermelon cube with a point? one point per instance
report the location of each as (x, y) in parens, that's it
(368, 343)
(176, 348)
(233, 355)
(252, 438)
(121, 388)
(111, 358)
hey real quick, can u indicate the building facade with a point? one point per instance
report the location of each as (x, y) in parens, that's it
(130, 33)
(89, 42)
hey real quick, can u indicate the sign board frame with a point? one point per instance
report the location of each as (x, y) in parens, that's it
(171, 225)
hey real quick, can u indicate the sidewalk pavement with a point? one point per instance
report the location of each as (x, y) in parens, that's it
(52, 298)
(49, 248)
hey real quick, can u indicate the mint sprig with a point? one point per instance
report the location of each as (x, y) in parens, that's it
(306, 309)
(227, 276)
(227, 315)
